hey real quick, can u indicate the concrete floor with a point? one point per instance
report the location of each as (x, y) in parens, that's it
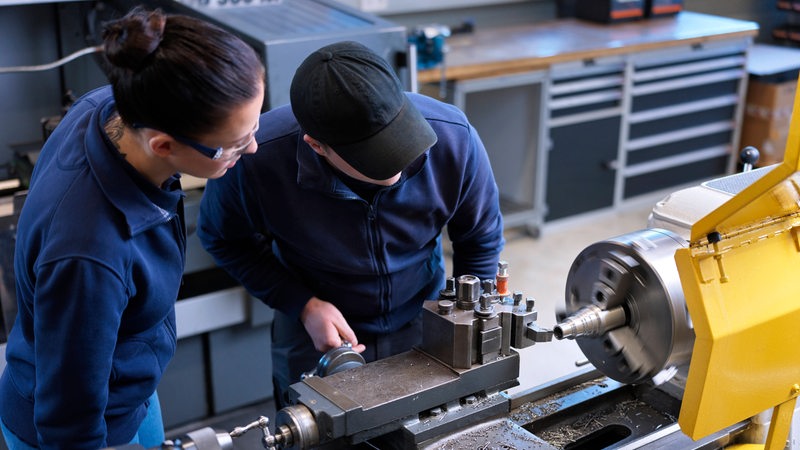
(538, 268)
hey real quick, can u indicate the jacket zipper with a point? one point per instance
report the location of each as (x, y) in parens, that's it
(372, 215)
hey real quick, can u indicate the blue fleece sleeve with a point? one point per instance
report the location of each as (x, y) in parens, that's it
(77, 313)
(476, 228)
(243, 247)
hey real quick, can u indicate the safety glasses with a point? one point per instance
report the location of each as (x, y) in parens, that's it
(210, 152)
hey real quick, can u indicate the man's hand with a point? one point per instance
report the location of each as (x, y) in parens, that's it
(327, 327)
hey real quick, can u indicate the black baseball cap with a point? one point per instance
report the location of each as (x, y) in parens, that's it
(349, 98)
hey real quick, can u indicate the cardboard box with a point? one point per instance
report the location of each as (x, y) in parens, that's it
(767, 115)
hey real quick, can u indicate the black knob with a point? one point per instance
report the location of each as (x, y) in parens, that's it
(749, 156)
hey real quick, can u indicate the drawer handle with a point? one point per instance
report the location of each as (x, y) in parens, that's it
(610, 165)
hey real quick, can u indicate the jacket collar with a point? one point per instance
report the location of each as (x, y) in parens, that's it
(143, 205)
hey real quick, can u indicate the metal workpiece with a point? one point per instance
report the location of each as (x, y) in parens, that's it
(590, 321)
(625, 308)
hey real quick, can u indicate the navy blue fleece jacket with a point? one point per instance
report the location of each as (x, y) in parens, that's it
(98, 263)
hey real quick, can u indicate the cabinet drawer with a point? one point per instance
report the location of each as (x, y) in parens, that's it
(690, 169)
(684, 91)
(689, 54)
(585, 101)
(687, 75)
(591, 86)
(677, 123)
(690, 144)
(682, 115)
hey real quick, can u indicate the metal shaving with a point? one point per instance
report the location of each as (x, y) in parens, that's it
(588, 423)
(477, 439)
(528, 412)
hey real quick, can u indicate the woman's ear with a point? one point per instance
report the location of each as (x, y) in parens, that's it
(162, 144)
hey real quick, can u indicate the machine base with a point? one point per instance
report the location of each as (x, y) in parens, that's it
(583, 411)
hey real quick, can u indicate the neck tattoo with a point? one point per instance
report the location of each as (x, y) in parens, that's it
(114, 129)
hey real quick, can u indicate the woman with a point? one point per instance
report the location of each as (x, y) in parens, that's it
(101, 242)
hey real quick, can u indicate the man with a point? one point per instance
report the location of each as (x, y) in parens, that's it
(336, 221)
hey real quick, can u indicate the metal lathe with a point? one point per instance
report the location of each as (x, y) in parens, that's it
(689, 326)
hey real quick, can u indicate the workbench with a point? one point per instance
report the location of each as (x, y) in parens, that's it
(580, 116)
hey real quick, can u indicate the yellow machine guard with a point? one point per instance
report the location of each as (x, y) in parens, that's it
(741, 279)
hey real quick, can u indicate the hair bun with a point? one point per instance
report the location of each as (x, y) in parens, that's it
(129, 41)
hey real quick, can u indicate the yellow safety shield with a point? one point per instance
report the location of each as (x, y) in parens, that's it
(741, 278)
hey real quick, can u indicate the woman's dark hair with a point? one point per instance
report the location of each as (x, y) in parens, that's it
(176, 73)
